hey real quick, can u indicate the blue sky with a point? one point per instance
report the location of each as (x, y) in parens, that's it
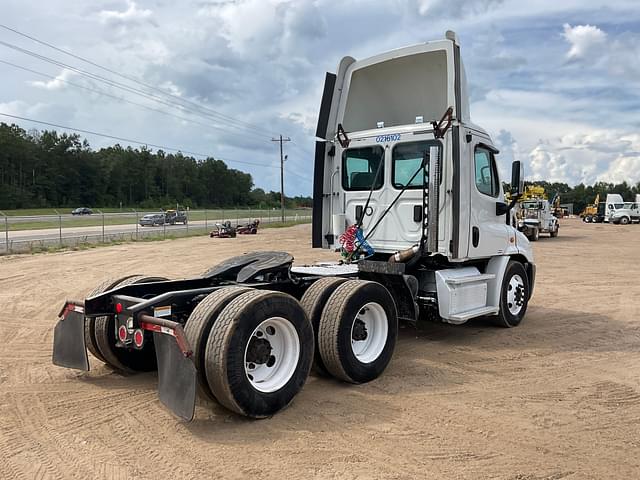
(555, 83)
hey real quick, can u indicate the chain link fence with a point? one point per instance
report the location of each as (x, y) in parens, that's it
(35, 233)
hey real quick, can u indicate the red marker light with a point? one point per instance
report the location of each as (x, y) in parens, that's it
(138, 338)
(122, 333)
(118, 308)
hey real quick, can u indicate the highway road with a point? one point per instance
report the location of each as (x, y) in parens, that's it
(51, 234)
(72, 232)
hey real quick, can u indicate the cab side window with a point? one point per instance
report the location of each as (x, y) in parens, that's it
(360, 166)
(486, 173)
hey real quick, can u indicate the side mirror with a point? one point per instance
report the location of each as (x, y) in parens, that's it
(517, 178)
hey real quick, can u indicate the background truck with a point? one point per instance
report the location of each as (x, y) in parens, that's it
(535, 217)
(175, 216)
(629, 213)
(410, 197)
(613, 202)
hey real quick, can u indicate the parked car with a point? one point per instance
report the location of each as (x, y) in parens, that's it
(81, 211)
(152, 219)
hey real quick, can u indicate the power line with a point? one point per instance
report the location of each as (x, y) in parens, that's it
(119, 85)
(302, 149)
(298, 175)
(135, 80)
(106, 94)
(128, 140)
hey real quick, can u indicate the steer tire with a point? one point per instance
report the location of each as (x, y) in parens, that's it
(505, 317)
(125, 359)
(624, 220)
(90, 325)
(351, 301)
(313, 301)
(554, 233)
(227, 371)
(199, 325)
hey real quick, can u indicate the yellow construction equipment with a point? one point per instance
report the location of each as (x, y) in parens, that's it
(556, 209)
(534, 192)
(590, 212)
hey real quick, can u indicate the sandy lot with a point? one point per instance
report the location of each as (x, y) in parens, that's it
(557, 397)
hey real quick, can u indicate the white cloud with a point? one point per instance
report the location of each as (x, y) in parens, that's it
(585, 40)
(57, 83)
(455, 8)
(603, 156)
(131, 14)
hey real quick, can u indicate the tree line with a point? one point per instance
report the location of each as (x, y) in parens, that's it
(40, 169)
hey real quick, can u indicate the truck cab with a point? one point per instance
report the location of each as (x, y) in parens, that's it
(613, 202)
(629, 213)
(399, 160)
(535, 217)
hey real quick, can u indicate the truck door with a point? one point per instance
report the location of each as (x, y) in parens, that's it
(362, 167)
(402, 224)
(488, 233)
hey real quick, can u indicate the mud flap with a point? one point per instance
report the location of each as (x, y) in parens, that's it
(69, 349)
(176, 377)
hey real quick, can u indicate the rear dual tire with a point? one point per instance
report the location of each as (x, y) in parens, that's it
(357, 331)
(198, 328)
(259, 353)
(313, 302)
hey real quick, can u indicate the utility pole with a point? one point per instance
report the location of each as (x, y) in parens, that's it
(282, 158)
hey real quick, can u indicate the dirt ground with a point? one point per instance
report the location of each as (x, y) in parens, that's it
(557, 397)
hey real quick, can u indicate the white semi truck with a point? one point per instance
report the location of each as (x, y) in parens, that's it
(613, 202)
(406, 187)
(629, 213)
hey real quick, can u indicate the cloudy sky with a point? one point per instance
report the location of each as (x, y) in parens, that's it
(556, 83)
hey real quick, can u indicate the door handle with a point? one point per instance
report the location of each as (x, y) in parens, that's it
(475, 236)
(368, 212)
(417, 213)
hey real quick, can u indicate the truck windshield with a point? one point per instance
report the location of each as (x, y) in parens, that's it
(359, 167)
(407, 158)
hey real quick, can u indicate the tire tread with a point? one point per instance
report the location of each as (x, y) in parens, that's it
(199, 325)
(312, 302)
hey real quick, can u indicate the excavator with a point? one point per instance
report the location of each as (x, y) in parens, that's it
(556, 209)
(590, 213)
